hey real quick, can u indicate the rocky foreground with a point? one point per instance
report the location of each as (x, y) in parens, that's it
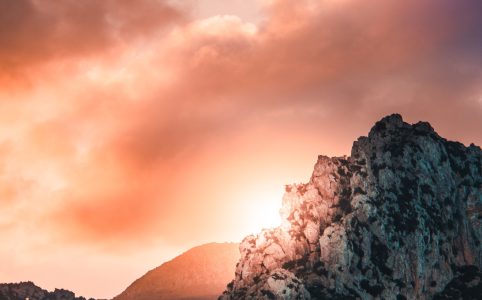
(398, 219)
(28, 290)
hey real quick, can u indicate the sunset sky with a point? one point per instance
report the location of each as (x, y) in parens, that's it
(131, 131)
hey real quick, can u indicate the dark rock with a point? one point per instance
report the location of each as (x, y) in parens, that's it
(399, 219)
(28, 290)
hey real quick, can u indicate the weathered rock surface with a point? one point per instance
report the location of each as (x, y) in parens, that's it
(28, 290)
(200, 273)
(398, 219)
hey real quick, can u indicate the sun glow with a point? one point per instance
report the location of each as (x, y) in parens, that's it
(264, 211)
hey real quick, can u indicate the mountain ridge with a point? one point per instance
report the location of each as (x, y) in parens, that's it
(199, 273)
(174, 279)
(28, 290)
(398, 219)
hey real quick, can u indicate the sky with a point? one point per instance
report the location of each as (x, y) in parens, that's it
(131, 131)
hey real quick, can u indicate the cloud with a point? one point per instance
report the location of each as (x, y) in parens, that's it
(37, 31)
(119, 130)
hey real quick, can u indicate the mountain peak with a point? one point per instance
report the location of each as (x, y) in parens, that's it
(398, 219)
(199, 273)
(388, 123)
(393, 119)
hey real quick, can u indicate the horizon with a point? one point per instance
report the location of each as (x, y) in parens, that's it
(134, 132)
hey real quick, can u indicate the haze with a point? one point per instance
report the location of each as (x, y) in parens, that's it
(134, 130)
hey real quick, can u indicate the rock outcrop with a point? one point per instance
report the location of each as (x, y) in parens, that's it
(28, 290)
(200, 273)
(398, 219)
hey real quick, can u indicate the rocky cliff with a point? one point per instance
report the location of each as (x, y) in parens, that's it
(398, 219)
(200, 273)
(28, 290)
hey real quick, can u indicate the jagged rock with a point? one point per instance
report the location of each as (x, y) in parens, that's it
(466, 285)
(398, 219)
(28, 290)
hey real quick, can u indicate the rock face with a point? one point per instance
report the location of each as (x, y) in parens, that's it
(399, 219)
(200, 273)
(28, 290)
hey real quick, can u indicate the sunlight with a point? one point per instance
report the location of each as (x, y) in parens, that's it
(264, 210)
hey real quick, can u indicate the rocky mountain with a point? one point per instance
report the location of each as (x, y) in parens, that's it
(28, 290)
(398, 219)
(200, 273)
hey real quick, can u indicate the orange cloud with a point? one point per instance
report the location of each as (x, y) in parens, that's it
(37, 31)
(311, 65)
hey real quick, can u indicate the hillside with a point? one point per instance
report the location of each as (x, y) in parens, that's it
(200, 273)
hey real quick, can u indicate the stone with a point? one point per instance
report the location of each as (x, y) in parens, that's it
(28, 290)
(398, 219)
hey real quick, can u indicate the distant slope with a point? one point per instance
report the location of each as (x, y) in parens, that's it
(24, 290)
(200, 273)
